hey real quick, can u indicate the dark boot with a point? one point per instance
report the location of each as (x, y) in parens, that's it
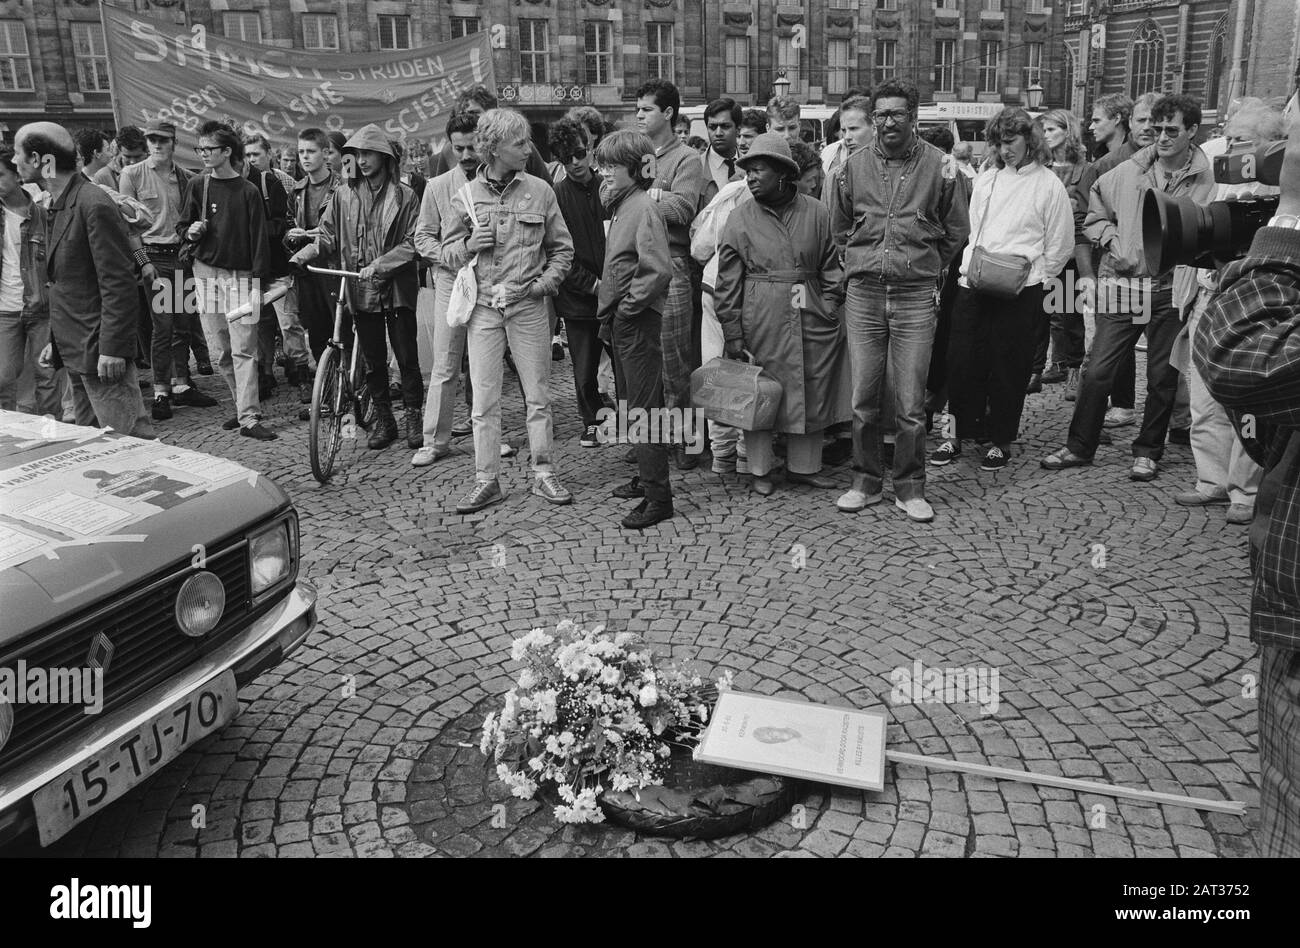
(384, 431)
(414, 421)
(647, 514)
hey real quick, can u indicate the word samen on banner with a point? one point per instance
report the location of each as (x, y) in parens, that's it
(162, 72)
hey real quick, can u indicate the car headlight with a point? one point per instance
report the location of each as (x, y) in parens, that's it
(200, 603)
(6, 720)
(270, 556)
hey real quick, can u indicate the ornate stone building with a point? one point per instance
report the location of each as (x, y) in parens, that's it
(52, 59)
(1136, 46)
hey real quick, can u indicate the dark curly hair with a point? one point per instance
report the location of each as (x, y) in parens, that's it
(566, 138)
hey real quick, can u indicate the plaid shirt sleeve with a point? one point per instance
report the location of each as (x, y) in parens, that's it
(1247, 349)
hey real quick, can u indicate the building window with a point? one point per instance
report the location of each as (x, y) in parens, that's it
(837, 67)
(246, 27)
(534, 51)
(735, 58)
(886, 4)
(92, 58)
(659, 51)
(1148, 60)
(945, 70)
(990, 52)
(462, 26)
(1218, 63)
(15, 58)
(993, 6)
(787, 58)
(320, 31)
(394, 32)
(1033, 64)
(844, 4)
(1069, 79)
(1033, 6)
(600, 53)
(886, 60)
(946, 4)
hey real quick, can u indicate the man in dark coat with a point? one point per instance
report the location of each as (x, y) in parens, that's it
(93, 303)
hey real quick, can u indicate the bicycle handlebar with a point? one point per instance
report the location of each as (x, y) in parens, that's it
(326, 272)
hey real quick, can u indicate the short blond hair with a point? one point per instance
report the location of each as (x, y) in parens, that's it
(496, 126)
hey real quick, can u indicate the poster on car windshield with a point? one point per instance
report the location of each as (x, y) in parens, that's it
(95, 491)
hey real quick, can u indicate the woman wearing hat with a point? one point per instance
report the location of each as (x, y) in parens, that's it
(777, 293)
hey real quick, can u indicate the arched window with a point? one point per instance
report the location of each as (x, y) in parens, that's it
(1148, 60)
(1069, 94)
(1218, 63)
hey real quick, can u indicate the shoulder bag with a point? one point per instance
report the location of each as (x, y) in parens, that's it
(1000, 275)
(185, 256)
(464, 291)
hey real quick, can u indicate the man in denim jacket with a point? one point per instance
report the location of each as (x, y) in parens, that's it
(516, 235)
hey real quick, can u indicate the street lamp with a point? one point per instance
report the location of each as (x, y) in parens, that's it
(1034, 96)
(781, 86)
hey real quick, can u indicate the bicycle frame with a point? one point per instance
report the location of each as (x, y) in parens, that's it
(336, 339)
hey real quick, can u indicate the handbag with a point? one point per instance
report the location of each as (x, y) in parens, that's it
(185, 256)
(464, 290)
(1000, 275)
(735, 393)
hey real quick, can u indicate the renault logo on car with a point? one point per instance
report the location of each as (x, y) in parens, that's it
(101, 653)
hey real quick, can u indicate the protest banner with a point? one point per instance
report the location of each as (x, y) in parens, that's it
(164, 72)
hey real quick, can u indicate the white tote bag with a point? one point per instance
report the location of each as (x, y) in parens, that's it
(464, 291)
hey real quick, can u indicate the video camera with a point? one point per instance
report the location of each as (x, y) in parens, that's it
(1177, 230)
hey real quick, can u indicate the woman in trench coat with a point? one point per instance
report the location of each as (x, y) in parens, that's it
(777, 296)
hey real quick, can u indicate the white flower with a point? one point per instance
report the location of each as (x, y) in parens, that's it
(489, 732)
(544, 701)
(536, 763)
(724, 683)
(527, 679)
(610, 676)
(565, 627)
(623, 638)
(648, 696)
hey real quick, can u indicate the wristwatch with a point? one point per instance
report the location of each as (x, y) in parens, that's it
(1289, 221)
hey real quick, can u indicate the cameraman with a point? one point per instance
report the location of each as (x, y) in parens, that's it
(1247, 349)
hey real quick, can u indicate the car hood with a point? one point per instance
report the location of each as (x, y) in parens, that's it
(86, 515)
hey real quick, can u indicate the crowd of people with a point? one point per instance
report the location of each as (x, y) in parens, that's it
(895, 291)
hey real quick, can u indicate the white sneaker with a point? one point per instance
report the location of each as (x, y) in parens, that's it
(918, 508)
(507, 451)
(427, 455)
(1119, 417)
(853, 500)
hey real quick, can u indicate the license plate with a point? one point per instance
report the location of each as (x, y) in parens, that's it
(93, 784)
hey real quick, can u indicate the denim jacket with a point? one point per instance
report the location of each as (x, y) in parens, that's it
(32, 239)
(533, 245)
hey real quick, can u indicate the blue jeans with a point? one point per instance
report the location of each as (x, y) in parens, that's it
(22, 337)
(890, 329)
(527, 327)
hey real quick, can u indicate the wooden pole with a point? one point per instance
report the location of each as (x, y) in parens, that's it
(1067, 783)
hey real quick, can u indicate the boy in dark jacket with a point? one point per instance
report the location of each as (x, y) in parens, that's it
(223, 215)
(631, 299)
(579, 198)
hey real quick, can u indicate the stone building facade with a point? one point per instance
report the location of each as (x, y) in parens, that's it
(51, 51)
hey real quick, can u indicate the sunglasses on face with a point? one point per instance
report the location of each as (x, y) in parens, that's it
(209, 149)
(897, 116)
(1168, 131)
(575, 155)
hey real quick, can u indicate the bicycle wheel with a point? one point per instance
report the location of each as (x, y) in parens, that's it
(363, 405)
(326, 414)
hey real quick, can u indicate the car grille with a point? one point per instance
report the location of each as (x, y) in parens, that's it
(148, 648)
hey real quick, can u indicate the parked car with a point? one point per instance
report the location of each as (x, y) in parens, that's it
(143, 585)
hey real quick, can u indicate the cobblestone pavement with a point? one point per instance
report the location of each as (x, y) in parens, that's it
(1116, 620)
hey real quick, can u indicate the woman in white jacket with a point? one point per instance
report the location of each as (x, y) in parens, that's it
(1019, 209)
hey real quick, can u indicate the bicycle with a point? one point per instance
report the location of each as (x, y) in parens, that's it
(340, 398)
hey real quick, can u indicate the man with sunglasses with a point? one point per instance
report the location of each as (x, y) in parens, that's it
(898, 216)
(1131, 300)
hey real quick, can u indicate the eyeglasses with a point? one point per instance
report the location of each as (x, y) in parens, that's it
(576, 155)
(897, 116)
(209, 149)
(1168, 131)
